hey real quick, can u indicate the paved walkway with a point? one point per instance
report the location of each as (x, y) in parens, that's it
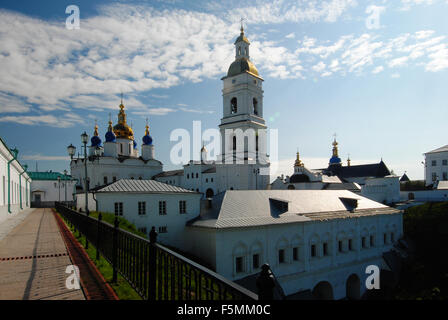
(33, 260)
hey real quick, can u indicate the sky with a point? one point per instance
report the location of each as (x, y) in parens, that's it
(373, 72)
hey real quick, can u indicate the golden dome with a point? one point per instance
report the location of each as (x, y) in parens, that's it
(242, 65)
(298, 162)
(121, 129)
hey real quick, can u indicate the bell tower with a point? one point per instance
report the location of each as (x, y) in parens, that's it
(243, 129)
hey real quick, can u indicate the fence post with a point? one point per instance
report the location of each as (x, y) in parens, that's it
(115, 249)
(265, 283)
(98, 239)
(152, 264)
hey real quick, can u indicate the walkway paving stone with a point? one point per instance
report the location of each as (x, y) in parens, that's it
(28, 276)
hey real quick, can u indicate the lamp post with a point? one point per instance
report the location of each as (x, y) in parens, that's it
(71, 149)
(59, 187)
(65, 187)
(84, 140)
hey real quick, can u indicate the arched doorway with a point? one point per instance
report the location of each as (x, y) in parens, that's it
(323, 291)
(209, 193)
(353, 287)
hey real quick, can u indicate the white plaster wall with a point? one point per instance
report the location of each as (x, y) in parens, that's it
(439, 169)
(51, 189)
(384, 190)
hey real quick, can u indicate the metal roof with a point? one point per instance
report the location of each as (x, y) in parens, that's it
(49, 175)
(170, 173)
(441, 149)
(142, 186)
(248, 208)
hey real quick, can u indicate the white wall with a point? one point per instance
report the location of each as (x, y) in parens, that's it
(304, 274)
(17, 184)
(426, 195)
(383, 190)
(173, 220)
(51, 189)
(439, 169)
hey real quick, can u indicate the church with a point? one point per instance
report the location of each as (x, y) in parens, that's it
(317, 240)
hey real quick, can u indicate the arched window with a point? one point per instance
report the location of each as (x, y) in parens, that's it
(233, 105)
(255, 105)
(234, 143)
(245, 51)
(239, 51)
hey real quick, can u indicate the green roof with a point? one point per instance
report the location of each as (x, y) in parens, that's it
(48, 176)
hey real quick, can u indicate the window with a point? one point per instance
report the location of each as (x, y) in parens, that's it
(162, 208)
(350, 244)
(281, 256)
(211, 179)
(385, 238)
(325, 249)
(188, 176)
(234, 143)
(206, 180)
(114, 179)
(372, 241)
(197, 175)
(313, 250)
(445, 162)
(163, 229)
(233, 106)
(121, 148)
(118, 208)
(182, 206)
(340, 245)
(434, 163)
(445, 176)
(363, 242)
(256, 261)
(239, 265)
(434, 176)
(295, 254)
(105, 180)
(143, 230)
(141, 208)
(139, 178)
(255, 105)
(392, 237)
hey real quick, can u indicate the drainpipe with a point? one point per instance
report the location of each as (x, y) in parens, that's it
(20, 188)
(14, 153)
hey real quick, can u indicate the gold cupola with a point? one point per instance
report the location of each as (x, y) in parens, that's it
(242, 63)
(298, 162)
(121, 129)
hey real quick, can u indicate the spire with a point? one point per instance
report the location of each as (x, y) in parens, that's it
(335, 147)
(95, 133)
(348, 161)
(147, 128)
(298, 162)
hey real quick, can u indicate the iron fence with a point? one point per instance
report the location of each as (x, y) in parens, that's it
(154, 271)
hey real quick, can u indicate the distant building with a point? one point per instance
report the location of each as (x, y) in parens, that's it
(49, 187)
(15, 183)
(373, 181)
(436, 165)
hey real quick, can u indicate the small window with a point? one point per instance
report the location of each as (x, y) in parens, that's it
(340, 245)
(372, 241)
(313, 250)
(162, 208)
(445, 162)
(445, 176)
(256, 261)
(206, 180)
(239, 265)
(118, 208)
(139, 178)
(281, 256)
(114, 179)
(163, 229)
(385, 238)
(363, 242)
(141, 208)
(188, 176)
(211, 179)
(182, 206)
(325, 249)
(392, 237)
(233, 106)
(197, 175)
(143, 230)
(350, 244)
(295, 254)
(105, 180)
(434, 176)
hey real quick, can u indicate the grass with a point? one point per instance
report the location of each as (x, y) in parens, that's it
(124, 224)
(122, 288)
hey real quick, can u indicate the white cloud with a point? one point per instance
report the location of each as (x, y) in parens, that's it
(378, 69)
(64, 121)
(290, 36)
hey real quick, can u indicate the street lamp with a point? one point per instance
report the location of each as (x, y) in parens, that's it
(65, 186)
(59, 187)
(84, 140)
(71, 149)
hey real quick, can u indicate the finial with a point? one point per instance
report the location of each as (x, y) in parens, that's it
(348, 160)
(95, 133)
(242, 28)
(122, 97)
(298, 162)
(110, 119)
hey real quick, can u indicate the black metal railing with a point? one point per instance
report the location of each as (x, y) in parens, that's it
(154, 271)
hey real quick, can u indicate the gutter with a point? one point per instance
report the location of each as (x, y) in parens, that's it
(14, 153)
(20, 187)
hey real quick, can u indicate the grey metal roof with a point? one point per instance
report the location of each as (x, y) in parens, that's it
(170, 173)
(210, 170)
(142, 186)
(248, 208)
(441, 149)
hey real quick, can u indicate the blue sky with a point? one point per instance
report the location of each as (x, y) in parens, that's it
(382, 90)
